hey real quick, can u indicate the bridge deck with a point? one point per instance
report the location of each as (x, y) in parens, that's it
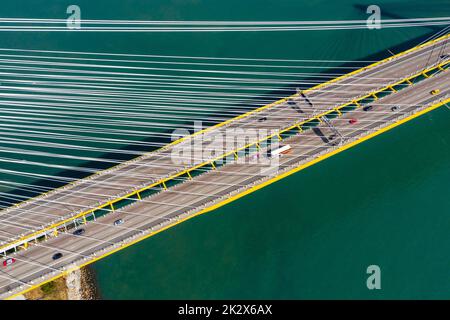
(87, 194)
(190, 197)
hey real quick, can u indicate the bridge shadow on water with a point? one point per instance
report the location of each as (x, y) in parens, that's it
(343, 68)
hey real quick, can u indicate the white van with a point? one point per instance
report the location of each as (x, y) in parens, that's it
(279, 151)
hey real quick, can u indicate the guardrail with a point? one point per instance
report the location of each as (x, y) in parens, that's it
(108, 250)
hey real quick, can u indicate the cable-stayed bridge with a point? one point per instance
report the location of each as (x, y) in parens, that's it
(197, 173)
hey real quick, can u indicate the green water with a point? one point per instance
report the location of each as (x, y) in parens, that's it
(313, 234)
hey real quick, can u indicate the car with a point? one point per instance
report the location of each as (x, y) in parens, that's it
(367, 108)
(352, 121)
(262, 119)
(57, 256)
(118, 222)
(445, 56)
(395, 108)
(79, 232)
(435, 91)
(8, 262)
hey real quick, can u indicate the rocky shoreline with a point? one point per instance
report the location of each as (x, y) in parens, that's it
(81, 284)
(89, 286)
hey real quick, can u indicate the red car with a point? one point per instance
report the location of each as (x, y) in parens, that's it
(352, 121)
(8, 262)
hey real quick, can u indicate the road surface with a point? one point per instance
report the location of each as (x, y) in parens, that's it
(183, 200)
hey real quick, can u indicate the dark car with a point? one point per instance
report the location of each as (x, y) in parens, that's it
(368, 108)
(394, 108)
(262, 119)
(78, 232)
(56, 256)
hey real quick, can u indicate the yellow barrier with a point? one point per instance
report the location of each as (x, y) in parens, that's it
(242, 194)
(297, 125)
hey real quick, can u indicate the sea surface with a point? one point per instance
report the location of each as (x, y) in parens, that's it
(385, 202)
